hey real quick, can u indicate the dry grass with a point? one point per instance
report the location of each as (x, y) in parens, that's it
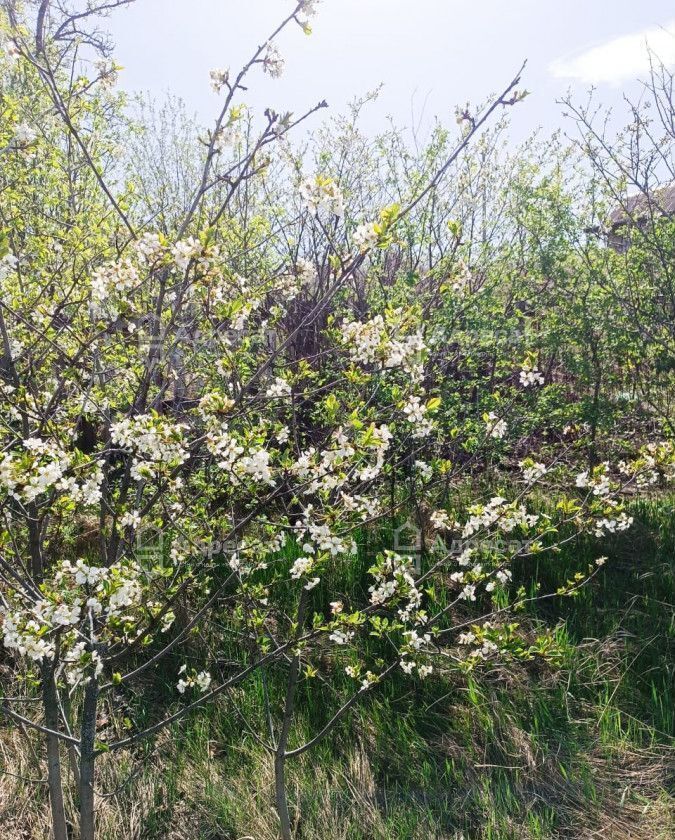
(175, 799)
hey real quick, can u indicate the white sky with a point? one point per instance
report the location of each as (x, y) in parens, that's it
(430, 54)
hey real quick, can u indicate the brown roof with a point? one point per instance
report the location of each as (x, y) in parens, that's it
(641, 206)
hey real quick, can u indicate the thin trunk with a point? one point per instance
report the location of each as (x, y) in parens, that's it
(280, 754)
(593, 459)
(87, 760)
(280, 796)
(66, 712)
(35, 544)
(54, 778)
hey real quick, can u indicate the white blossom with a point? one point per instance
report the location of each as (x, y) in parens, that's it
(279, 388)
(365, 236)
(341, 637)
(185, 251)
(273, 63)
(496, 428)
(531, 377)
(219, 78)
(321, 192)
(24, 134)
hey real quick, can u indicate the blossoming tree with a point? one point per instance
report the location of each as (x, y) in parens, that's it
(200, 421)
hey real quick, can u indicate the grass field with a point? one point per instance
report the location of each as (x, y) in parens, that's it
(582, 750)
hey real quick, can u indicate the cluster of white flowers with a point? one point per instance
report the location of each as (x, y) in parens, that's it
(621, 522)
(341, 637)
(305, 272)
(424, 469)
(321, 192)
(37, 466)
(112, 280)
(200, 680)
(484, 649)
(301, 566)
(117, 587)
(380, 437)
(273, 63)
(407, 353)
(242, 316)
(507, 516)
(29, 625)
(365, 340)
(279, 388)
(368, 681)
(130, 519)
(393, 576)
(327, 470)
(238, 460)
(532, 470)
(461, 281)
(24, 134)
(27, 478)
(149, 247)
(468, 593)
(502, 576)
(256, 465)
(409, 665)
(307, 466)
(496, 428)
(316, 537)
(108, 73)
(530, 375)
(648, 475)
(219, 78)
(86, 491)
(213, 404)
(415, 642)
(186, 250)
(308, 7)
(154, 440)
(79, 660)
(8, 265)
(654, 459)
(370, 342)
(25, 637)
(415, 413)
(366, 236)
(598, 483)
(487, 649)
(225, 447)
(227, 136)
(368, 508)
(440, 520)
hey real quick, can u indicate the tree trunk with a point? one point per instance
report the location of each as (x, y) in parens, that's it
(87, 760)
(281, 799)
(59, 827)
(280, 754)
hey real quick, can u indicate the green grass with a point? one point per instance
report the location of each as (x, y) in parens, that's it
(517, 753)
(512, 753)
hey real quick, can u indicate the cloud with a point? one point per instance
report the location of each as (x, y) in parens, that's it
(623, 58)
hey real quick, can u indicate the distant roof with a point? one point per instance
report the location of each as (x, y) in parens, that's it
(660, 201)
